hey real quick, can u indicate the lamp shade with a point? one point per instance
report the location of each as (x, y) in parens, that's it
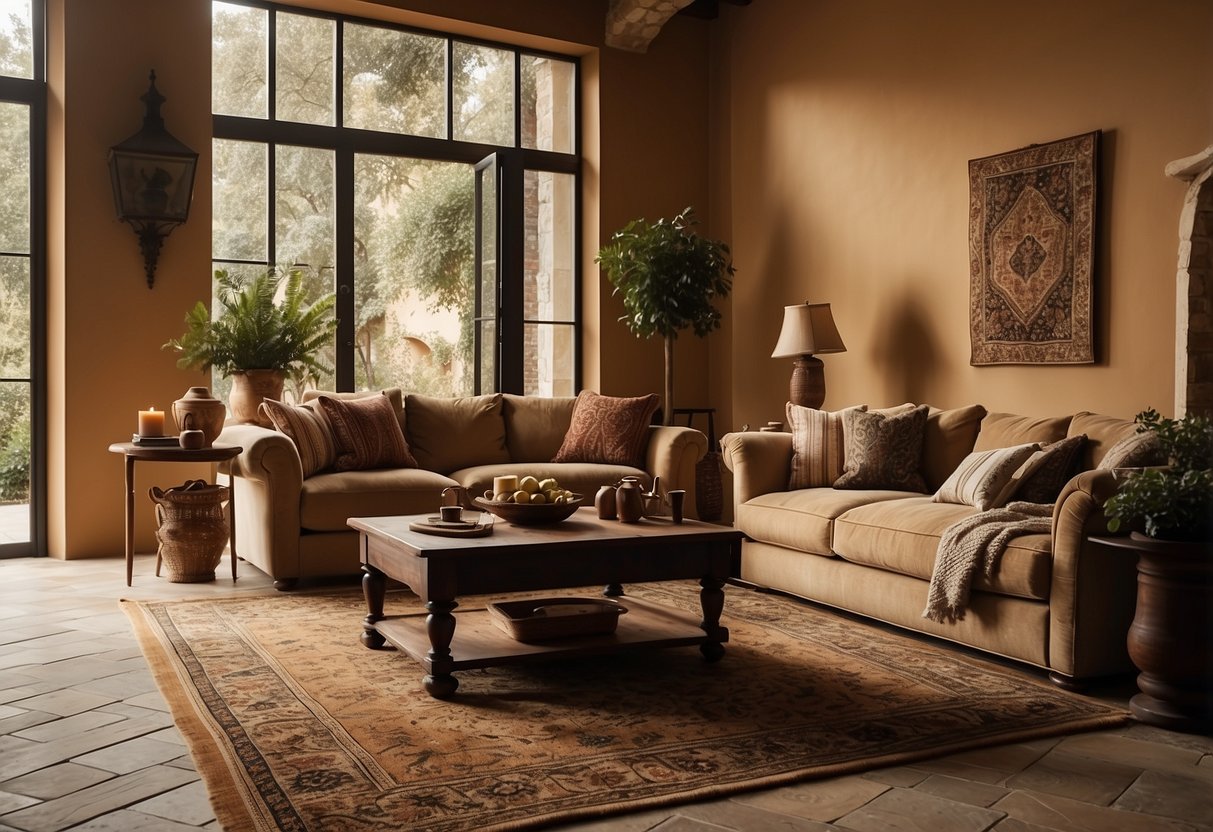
(808, 329)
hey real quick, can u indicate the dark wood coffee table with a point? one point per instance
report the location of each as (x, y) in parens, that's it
(581, 551)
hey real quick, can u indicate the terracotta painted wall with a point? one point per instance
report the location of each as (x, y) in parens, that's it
(646, 154)
(841, 136)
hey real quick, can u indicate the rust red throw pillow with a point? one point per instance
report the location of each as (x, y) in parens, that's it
(608, 429)
(367, 434)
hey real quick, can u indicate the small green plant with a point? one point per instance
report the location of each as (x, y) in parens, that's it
(254, 331)
(1176, 502)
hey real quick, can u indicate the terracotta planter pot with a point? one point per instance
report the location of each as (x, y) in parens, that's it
(249, 389)
(1171, 639)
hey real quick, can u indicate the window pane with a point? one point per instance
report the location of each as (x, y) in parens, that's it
(16, 39)
(548, 101)
(239, 60)
(240, 201)
(483, 90)
(550, 352)
(15, 454)
(305, 231)
(550, 289)
(394, 81)
(14, 317)
(304, 62)
(413, 275)
(14, 184)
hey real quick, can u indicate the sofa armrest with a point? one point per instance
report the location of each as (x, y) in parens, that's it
(761, 462)
(267, 497)
(672, 454)
(1094, 587)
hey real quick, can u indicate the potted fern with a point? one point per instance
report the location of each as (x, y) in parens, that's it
(257, 339)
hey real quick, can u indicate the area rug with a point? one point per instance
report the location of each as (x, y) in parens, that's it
(294, 725)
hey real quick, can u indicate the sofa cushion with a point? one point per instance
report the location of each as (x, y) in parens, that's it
(308, 429)
(903, 536)
(884, 452)
(1046, 472)
(394, 395)
(1102, 432)
(583, 478)
(328, 500)
(818, 445)
(1003, 430)
(947, 439)
(535, 426)
(446, 434)
(984, 479)
(802, 519)
(608, 429)
(367, 434)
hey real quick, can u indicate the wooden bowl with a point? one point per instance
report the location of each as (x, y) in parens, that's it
(525, 514)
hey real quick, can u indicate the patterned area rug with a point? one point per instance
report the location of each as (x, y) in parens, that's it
(294, 725)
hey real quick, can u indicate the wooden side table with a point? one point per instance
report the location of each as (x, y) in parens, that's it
(133, 453)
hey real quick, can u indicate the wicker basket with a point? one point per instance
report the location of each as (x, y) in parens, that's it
(192, 529)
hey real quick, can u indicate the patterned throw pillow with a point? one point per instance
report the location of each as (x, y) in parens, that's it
(1136, 451)
(985, 479)
(367, 434)
(818, 445)
(309, 431)
(884, 451)
(1048, 470)
(608, 429)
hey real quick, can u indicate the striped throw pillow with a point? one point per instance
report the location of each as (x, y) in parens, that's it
(818, 445)
(367, 434)
(307, 429)
(985, 479)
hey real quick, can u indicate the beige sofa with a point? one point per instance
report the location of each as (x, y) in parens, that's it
(293, 527)
(1057, 600)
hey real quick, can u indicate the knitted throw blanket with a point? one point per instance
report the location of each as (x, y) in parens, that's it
(977, 542)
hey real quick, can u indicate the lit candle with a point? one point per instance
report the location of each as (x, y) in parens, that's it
(505, 485)
(151, 422)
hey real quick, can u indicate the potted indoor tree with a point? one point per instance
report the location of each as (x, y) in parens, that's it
(667, 276)
(1169, 511)
(264, 331)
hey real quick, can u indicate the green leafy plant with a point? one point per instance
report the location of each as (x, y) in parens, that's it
(253, 331)
(667, 276)
(1176, 502)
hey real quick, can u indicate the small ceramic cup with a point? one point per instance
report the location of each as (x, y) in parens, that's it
(676, 497)
(192, 439)
(451, 514)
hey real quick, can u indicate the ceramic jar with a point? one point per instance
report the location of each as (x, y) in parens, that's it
(202, 411)
(629, 501)
(249, 389)
(604, 503)
(192, 529)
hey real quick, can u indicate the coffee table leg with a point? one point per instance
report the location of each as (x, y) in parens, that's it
(440, 626)
(711, 599)
(374, 587)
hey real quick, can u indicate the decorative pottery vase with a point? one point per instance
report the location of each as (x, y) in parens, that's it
(1171, 639)
(202, 411)
(629, 501)
(192, 529)
(249, 389)
(604, 503)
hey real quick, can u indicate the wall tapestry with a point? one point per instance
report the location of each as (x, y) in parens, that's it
(1031, 252)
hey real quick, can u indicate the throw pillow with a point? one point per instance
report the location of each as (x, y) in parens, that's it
(1137, 451)
(818, 445)
(985, 479)
(884, 451)
(367, 434)
(608, 429)
(1048, 470)
(307, 429)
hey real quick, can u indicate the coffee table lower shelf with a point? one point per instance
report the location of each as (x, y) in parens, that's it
(478, 642)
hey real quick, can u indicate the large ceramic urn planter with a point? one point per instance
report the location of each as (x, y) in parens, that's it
(199, 410)
(1171, 639)
(249, 389)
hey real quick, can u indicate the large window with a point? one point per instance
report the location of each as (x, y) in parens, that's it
(348, 148)
(22, 135)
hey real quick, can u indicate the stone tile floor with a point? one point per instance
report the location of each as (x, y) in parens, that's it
(86, 743)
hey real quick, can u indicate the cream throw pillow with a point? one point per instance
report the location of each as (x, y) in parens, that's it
(818, 445)
(985, 479)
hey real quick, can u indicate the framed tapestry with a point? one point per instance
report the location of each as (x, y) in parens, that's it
(1031, 253)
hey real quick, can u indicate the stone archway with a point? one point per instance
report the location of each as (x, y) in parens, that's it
(1194, 287)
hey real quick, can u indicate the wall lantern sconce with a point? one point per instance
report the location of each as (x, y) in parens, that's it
(152, 175)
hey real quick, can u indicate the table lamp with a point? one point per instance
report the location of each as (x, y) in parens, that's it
(808, 331)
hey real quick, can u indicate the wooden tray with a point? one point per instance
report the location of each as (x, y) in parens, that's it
(545, 619)
(461, 528)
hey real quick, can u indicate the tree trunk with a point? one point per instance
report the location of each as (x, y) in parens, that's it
(668, 404)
